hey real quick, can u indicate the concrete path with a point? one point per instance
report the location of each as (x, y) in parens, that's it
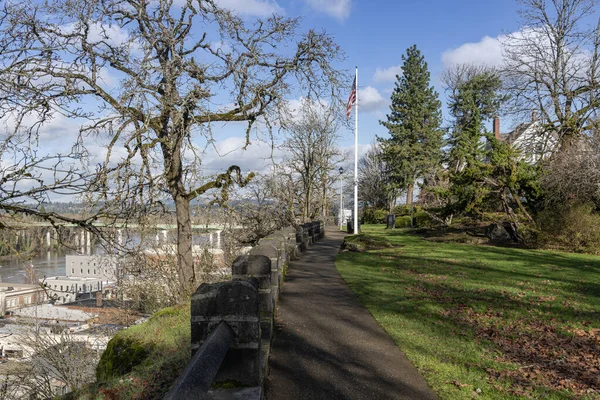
(327, 345)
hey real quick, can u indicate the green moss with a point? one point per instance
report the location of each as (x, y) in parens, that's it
(144, 360)
(119, 358)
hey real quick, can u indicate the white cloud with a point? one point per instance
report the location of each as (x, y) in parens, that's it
(339, 9)
(488, 51)
(387, 74)
(255, 8)
(369, 99)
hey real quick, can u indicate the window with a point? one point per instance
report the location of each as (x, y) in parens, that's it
(94, 272)
(82, 270)
(72, 270)
(88, 271)
(61, 288)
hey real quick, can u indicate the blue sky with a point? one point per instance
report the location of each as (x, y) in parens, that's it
(374, 35)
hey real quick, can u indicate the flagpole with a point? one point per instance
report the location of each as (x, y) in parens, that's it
(356, 158)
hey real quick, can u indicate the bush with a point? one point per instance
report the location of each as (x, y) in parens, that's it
(576, 227)
(422, 219)
(403, 222)
(374, 215)
(401, 210)
(405, 210)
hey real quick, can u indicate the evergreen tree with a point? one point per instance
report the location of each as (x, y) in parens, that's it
(473, 101)
(413, 149)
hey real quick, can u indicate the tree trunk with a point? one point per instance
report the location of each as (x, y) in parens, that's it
(185, 258)
(174, 177)
(568, 142)
(409, 195)
(307, 203)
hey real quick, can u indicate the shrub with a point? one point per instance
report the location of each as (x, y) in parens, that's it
(405, 210)
(422, 219)
(403, 222)
(374, 215)
(380, 216)
(576, 227)
(401, 210)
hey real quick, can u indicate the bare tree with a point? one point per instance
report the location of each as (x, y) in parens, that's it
(54, 364)
(310, 142)
(373, 180)
(574, 176)
(173, 61)
(553, 66)
(260, 210)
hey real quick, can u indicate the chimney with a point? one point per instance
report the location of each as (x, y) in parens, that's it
(497, 127)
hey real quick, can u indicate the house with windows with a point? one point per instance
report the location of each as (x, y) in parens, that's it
(14, 296)
(529, 138)
(103, 267)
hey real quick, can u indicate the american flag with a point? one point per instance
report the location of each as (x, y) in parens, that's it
(351, 99)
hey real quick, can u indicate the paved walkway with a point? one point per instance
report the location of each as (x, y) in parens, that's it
(327, 345)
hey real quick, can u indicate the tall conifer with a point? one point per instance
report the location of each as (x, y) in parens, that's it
(413, 149)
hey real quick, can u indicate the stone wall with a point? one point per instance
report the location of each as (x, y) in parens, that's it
(232, 322)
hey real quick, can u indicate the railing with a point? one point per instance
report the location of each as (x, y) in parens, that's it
(232, 322)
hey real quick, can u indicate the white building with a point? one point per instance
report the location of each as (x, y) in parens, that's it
(103, 267)
(67, 289)
(529, 138)
(14, 296)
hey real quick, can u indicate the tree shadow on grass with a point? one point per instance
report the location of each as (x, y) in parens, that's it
(497, 317)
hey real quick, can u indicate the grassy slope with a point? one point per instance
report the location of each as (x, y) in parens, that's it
(509, 322)
(166, 340)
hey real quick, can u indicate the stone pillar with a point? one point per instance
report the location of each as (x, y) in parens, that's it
(300, 238)
(290, 234)
(258, 267)
(278, 241)
(307, 234)
(237, 304)
(273, 254)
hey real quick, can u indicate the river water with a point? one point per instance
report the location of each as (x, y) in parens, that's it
(53, 263)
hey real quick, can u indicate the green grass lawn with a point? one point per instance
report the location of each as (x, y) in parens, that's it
(482, 321)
